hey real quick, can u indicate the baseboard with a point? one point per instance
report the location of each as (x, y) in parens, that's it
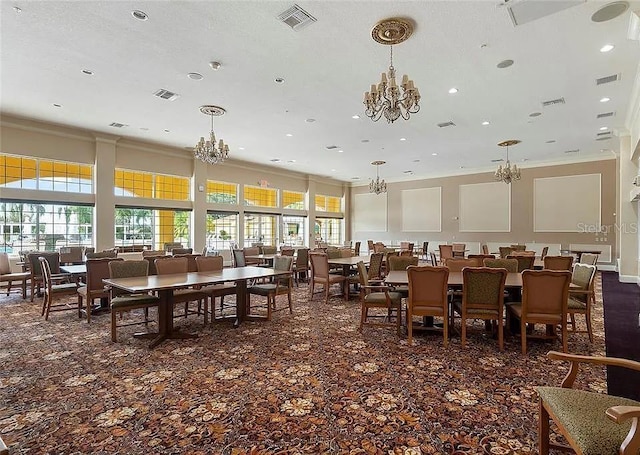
(607, 268)
(629, 279)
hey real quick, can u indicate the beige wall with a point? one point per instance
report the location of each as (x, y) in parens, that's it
(521, 208)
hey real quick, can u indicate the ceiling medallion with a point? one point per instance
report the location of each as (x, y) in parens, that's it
(389, 99)
(208, 151)
(377, 186)
(507, 173)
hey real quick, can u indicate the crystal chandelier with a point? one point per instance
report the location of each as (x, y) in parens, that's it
(387, 98)
(377, 186)
(208, 151)
(507, 173)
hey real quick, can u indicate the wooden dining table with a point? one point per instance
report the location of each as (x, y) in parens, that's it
(165, 285)
(400, 277)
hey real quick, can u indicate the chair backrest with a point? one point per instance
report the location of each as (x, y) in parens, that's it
(53, 261)
(505, 251)
(45, 269)
(425, 248)
(480, 258)
(71, 254)
(238, 258)
(5, 266)
(401, 262)
(434, 259)
(583, 276)
(152, 263)
(283, 263)
(404, 245)
(125, 269)
(379, 247)
(302, 259)
(456, 265)
(287, 251)
(177, 251)
(523, 253)
(169, 246)
(370, 246)
(191, 261)
(209, 263)
(483, 288)
(345, 252)
(446, 251)
(319, 265)
(545, 292)
(356, 249)
(333, 253)
(97, 270)
(545, 250)
(458, 247)
(588, 258)
(428, 287)
(406, 253)
(363, 274)
(375, 266)
(146, 253)
(267, 249)
(169, 265)
(103, 254)
(251, 251)
(524, 262)
(510, 264)
(558, 262)
(485, 249)
(518, 247)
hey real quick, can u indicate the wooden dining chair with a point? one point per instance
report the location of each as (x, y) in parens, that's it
(446, 252)
(480, 258)
(35, 270)
(588, 258)
(401, 263)
(544, 301)
(94, 288)
(281, 285)
(457, 264)
(582, 295)
(524, 262)
(215, 264)
(52, 290)
(558, 262)
(376, 295)
(301, 265)
(510, 264)
(505, 251)
(6, 275)
(320, 275)
(458, 250)
(171, 265)
(428, 288)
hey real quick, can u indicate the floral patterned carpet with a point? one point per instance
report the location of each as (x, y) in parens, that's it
(303, 383)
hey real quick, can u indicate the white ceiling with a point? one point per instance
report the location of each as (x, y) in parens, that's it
(326, 66)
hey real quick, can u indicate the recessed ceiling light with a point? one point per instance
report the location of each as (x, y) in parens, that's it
(340, 151)
(195, 76)
(57, 105)
(403, 138)
(535, 114)
(355, 117)
(275, 160)
(279, 80)
(461, 167)
(215, 65)
(291, 161)
(609, 11)
(289, 135)
(607, 48)
(505, 64)
(333, 170)
(605, 99)
(434, 154)
(453, 90)
(310, 120)
(485, 123)
(140, 15)
(17, 10)
(87, 72)
(167, 131)
(603, 128)
(240, 148)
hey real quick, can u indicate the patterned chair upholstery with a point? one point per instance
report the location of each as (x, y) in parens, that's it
(518, 247)
(320, 275)
(524, 262)
(103, 254)
(457, 264)
(544, 301)
(169, 265)
(147, 253)
(178, 251)
(458, 250)
(94, 288)
(428, 290)
(505, 251)
(446, 252)
(9, 277)
(301, 264)
(215, 264)
(378, 296)
(593, 423)
(251, 251)
(266, 249)
(480, 258)
(121, 301)
(71, 254)
(401, 263)
(281, 285)
(583, 295)
(588, 258)
(510, 264)
(482, 298)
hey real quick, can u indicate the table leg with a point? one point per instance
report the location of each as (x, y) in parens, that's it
(241, 302)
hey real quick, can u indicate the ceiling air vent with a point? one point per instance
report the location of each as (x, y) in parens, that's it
(296, 18)
(332, 147)
(606, 114)
(524, 11)
(553, 102)
(572, 151)
(608, 79)
(117, 125)
(499, 160)
(604, 138)
(446, 124)
(166, 95)
(606, 133)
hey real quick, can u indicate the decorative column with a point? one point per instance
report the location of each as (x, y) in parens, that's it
(199, 198)
(104, 178)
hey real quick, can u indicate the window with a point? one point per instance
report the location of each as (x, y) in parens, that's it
(156, 186)
(293, 230)
(292, 200)
(44, 227)
(221, 192)
(222, 230)
(331, 204)
(329, 230)
(260, 228)
(260, 197)
(151, 228)
(37, 174)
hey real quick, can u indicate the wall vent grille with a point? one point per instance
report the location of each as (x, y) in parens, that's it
(553, 102)
(446, 124)
(608, 79)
